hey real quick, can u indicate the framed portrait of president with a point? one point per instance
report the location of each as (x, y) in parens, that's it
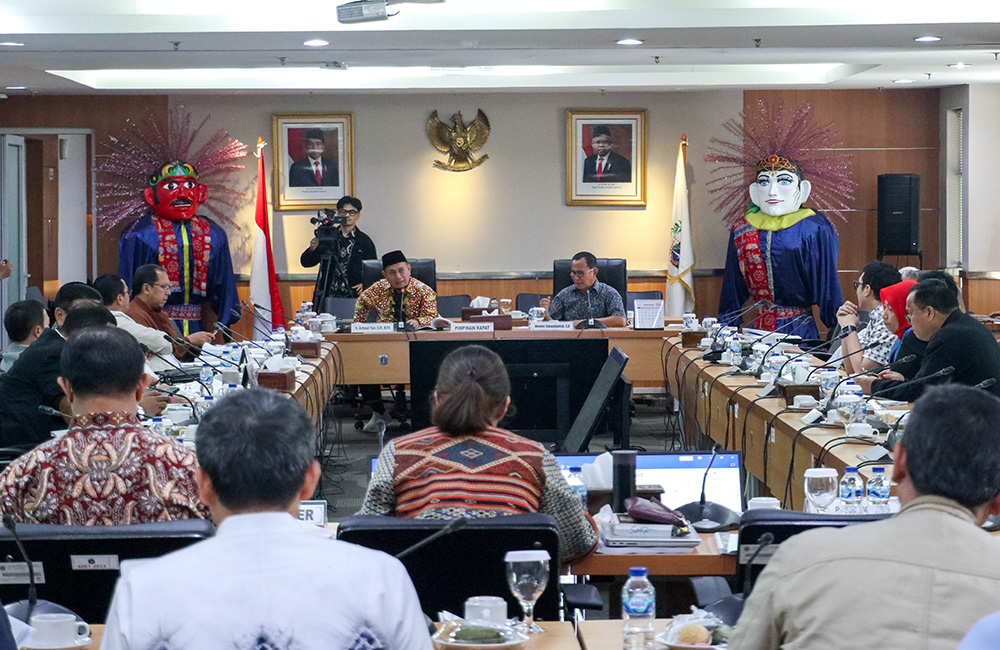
(313, 159)
(606, 157)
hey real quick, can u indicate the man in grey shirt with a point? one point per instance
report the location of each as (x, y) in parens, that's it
(587, 297)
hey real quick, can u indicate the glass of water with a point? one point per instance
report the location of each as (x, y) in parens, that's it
(527, 576)
(822, 487)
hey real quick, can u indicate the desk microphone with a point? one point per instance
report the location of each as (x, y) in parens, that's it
(804, 318)
(832, 362)
(195, 348)
(29, 605)
(986, 383)
(48, 410)
(173, 391)
(810, 350)
(765, 540)
(590, 323)
(284, 321)
(455, 525)
(783, 339)
(707, 516)
(738, 316)
(233, 333)
(943, 372)
(253, 324)
(190, 376)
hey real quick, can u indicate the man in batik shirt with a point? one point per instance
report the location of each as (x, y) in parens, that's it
(397, 297)
(107, 470)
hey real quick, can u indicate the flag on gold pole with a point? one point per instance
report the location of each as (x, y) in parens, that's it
(680, 292)
(263, 281)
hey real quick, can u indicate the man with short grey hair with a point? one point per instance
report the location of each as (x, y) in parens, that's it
(264, 580)
(919, 579)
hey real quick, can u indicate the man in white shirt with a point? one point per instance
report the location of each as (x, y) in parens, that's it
(875, 276)
(919, 579)
(115, 296)
(264, 580)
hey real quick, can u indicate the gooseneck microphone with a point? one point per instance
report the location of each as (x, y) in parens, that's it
(253, 323)
(810, 350)
(943, 372)
(233, 333)
(590, 323)
(194, 348)
(191, 376)
(707, 516)
(8, 523)
(738, 316)
(986, 383)
(284, 321)
(835, 361)
(765, 540)
(455, 525)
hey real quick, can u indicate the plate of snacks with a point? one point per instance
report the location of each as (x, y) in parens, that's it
(699, 630)
(460, 635)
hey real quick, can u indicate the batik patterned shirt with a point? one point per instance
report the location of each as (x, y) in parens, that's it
(432, 475)
(876, 331)
(573, 304)
(107, 470)
(419, 303)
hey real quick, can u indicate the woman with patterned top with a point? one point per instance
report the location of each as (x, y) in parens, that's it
(466, 466)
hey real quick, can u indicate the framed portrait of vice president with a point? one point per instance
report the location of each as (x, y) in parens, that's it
(606, 157)
(313, 160)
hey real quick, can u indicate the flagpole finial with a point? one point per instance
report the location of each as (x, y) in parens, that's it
(684, 138)
(260, 146)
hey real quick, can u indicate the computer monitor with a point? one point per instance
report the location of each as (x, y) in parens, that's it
(585, 424)
(550, 380)
(680, 475)
(77, 566)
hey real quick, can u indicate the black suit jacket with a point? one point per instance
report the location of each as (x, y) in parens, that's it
(302, 174)
(31, 382)
(962, 342)
(617, 169)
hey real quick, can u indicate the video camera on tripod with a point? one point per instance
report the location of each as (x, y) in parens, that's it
(329, 225)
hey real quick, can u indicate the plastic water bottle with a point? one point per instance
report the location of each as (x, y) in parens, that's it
(206, 378)
(158, 427)
(852, 489)
(575, 481)
(735, 350)
(878, 491)
(231, 388)
(638, 611)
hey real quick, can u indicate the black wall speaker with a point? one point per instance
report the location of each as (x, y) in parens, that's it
(898, 214)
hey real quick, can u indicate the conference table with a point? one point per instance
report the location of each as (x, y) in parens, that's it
(705, 560)
(607, 634)
(315, 381)
(777, 446)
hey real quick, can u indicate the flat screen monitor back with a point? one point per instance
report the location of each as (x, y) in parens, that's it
(550, 380)
(585, 424)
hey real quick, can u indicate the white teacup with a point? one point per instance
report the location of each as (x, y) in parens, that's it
(491, 609)
(57, 631)
(763, 503)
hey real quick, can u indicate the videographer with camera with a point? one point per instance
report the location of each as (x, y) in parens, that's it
(339, 247)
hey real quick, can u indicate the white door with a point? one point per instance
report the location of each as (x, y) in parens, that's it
(13, 221)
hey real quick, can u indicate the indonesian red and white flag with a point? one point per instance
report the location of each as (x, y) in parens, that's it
(263, 281)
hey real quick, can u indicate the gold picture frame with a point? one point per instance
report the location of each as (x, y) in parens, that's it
(618, 177)
(301, 180)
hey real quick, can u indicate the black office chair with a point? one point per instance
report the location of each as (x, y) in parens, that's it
(641, 295)
(88, 592)
(470, 561)
(340, 308)
(423, 269)
(451, 306)
(610, 270)
(526, 301)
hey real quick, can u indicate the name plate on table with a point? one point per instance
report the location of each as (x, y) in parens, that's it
(648, 315)
(372, 328)
(551, 325)
(313, 512)
(486, 326)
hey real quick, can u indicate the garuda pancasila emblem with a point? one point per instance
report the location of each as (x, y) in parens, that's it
(459, 141)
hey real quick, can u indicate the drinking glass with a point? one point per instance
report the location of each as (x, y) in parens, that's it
(822, 487)
(505, 305)
(527, 576)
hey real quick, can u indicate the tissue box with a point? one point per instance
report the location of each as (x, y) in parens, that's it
(501, 322)
(469, 312)
(280, 380)
(789, 390)
(306, 348)
(691, 339)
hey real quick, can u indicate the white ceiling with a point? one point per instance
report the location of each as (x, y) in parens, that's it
(232, 45)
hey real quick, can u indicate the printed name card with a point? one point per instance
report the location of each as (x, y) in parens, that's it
(472, 327)
(551, 325)
(313, 512)
(372, 328)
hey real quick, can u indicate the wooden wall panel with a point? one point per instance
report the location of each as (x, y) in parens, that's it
(982, 296)
(888, 132)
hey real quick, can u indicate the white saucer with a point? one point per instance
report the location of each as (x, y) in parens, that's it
(78, 643)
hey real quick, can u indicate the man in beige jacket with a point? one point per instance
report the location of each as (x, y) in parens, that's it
(918, 580)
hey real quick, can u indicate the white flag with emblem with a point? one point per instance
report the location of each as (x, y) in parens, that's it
(680, 291)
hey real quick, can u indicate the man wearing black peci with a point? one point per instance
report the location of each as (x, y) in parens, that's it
(953, 339)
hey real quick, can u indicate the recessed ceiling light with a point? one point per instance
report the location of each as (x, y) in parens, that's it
(630, 41)
(316, 42)
(903, 81)
(927, 39)
(11, 44)
(960, 65)
(15, 88)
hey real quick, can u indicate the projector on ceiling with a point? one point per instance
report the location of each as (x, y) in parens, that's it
(362, 11)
